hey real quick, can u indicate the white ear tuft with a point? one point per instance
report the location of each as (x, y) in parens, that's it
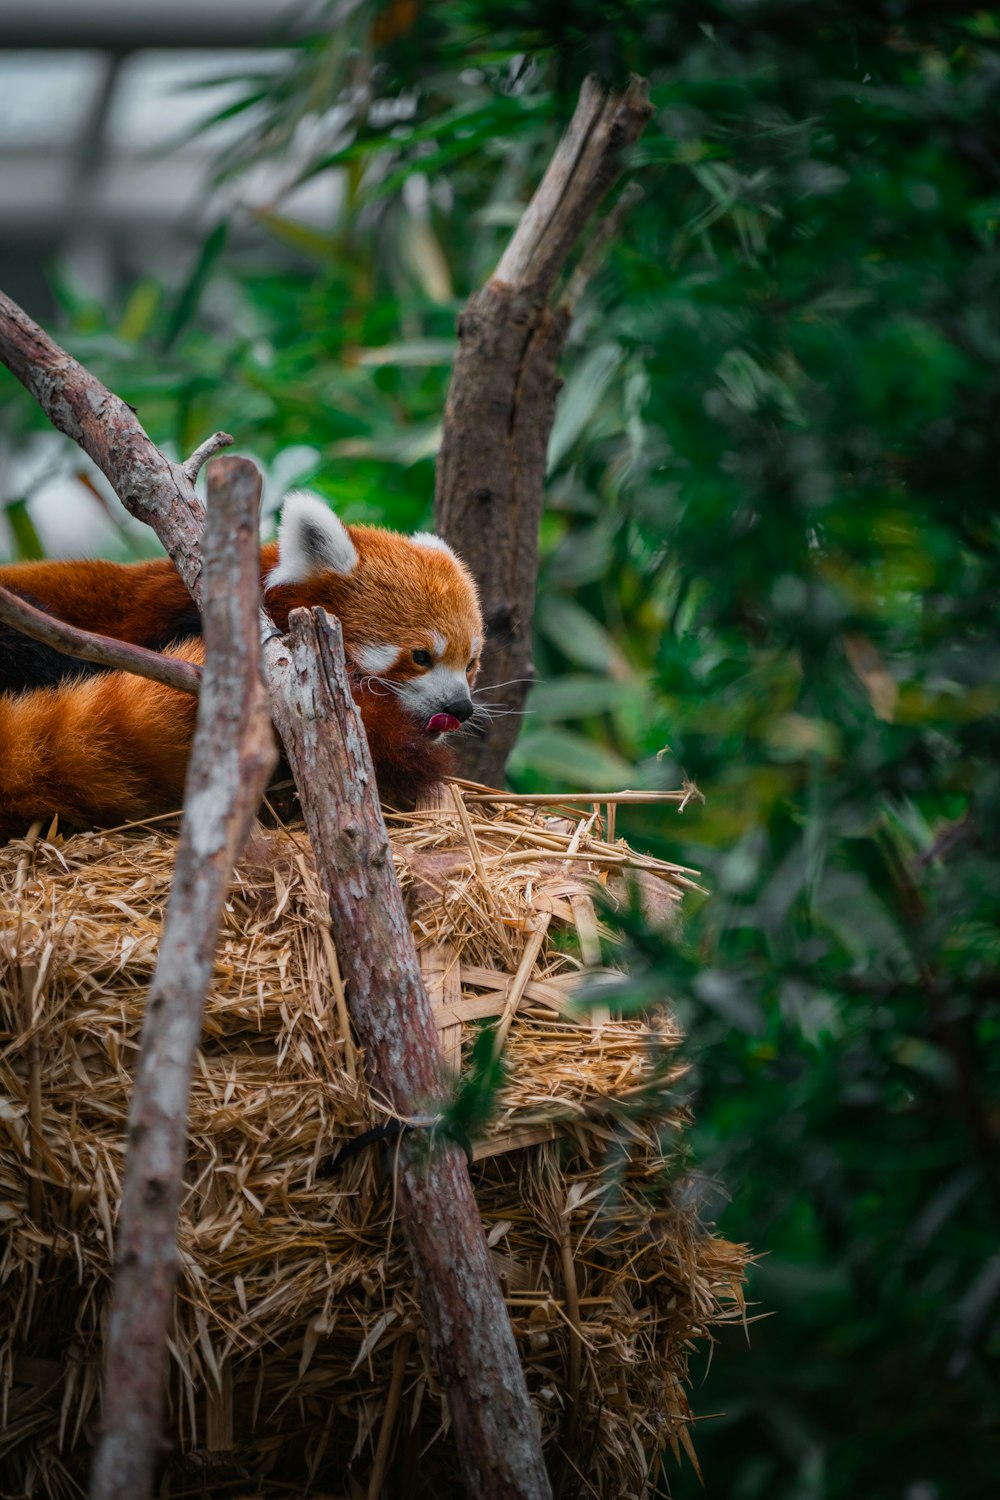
(435, 543)
(311, 539)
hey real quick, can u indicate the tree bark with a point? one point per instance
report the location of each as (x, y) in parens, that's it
(232, 758)
(150, 486)
(502, 399)
(495, 1429)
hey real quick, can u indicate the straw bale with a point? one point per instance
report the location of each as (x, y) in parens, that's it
(298, 1348)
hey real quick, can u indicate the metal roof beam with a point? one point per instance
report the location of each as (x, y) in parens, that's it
(125, 26)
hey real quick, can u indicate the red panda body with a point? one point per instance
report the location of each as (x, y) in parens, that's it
(106, 747)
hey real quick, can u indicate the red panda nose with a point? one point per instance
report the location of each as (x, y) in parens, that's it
(460, 709)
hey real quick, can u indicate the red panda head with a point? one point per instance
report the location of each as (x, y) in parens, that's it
(408, 606)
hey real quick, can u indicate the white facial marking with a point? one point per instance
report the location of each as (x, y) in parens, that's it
(435, 543)
(475, 648)
(375, 659)
(429, 694)
(311, 539)
(440, 644)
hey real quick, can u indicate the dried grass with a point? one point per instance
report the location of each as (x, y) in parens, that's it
(299, 1356)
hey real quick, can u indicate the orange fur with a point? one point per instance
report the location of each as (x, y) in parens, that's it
(398, 589)
(106, 750)
(114, 749)
(110, 748)
(145, 603)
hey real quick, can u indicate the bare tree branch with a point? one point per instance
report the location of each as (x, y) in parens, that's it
(232, 757)
(586, 163)
(117, 656)
(495, 1429)
(537, 222)
(192, 466)
(150, 487)
(502, 400)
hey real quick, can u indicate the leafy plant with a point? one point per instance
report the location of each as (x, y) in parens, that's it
(770, 564)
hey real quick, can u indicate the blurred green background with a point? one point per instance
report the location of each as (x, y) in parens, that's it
(770, 565)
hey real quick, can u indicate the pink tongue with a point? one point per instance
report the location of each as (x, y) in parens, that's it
(441, 724)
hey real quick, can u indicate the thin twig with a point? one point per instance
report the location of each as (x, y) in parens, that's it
(532, 949)
(117, 656)
(192, 466)
(389, 1417)
(550, 799)
(572, 1417)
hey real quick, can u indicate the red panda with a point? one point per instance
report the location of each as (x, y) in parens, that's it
(103, 747)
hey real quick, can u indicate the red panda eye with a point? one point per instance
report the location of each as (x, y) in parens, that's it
(423, 658)
(471, 667)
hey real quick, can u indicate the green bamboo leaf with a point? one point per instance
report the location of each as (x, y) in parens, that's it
(575, 696)
(140, 310)
(569, 759)
(580, 399)
(579, 636)
(412, 352)
(187, 303)
(27, 543)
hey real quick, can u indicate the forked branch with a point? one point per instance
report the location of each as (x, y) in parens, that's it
(502, 399)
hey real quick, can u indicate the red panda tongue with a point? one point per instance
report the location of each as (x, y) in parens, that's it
(441, 724)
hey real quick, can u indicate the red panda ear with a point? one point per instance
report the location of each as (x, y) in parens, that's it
(311, 539)
(436, 543)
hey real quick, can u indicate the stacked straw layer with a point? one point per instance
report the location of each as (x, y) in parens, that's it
(298, 1341)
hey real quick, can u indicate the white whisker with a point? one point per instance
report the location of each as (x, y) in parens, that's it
(367, 681)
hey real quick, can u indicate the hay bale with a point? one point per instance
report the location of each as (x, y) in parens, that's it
(298, 1349)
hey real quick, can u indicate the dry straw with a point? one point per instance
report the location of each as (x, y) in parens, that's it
(299, 1356)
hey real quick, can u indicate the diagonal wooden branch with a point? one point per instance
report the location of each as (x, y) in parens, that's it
(149, 485)
(495, 1428)
(232, 758)
(499, 1450)
(117, 656)
(502, 400)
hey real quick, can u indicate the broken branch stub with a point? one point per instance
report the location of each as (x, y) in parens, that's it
(495, 1429)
